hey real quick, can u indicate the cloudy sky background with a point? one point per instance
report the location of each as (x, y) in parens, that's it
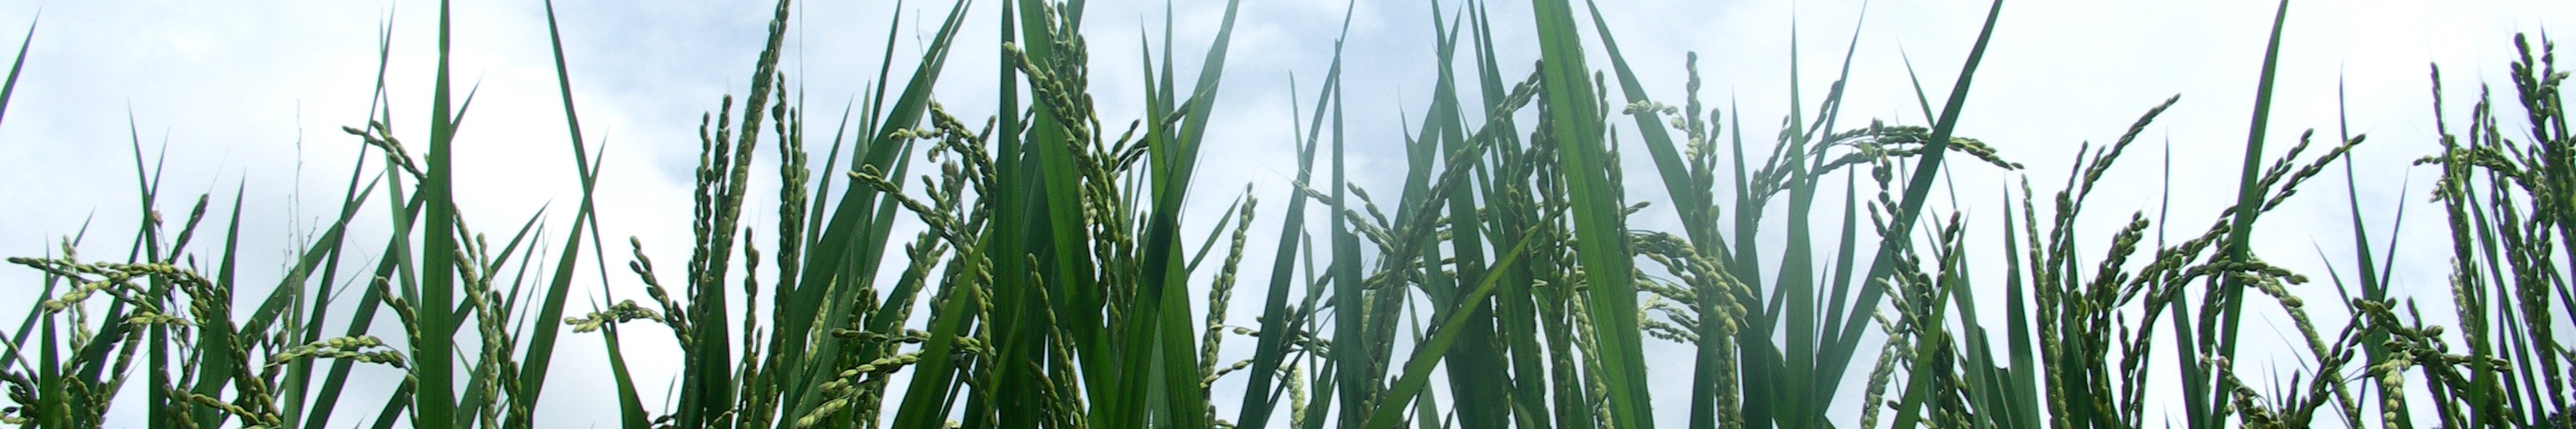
(252, 96)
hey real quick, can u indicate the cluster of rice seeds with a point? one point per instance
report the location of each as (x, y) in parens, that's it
(2505, 198)
(1220, 295)
(206, 364)
(248, 362)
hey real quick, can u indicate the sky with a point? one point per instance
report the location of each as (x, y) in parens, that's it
(248, 100)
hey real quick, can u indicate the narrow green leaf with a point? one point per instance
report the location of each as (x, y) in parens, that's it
(435, 397)
(15, 66)
(1270, 345)
(1839, 347)
(2248, 203)
(1600, 227)
(1417, 370)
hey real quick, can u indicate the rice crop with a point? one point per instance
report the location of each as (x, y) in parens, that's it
(1043, 276)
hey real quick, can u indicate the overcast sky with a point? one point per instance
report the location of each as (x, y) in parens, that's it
(252, 96)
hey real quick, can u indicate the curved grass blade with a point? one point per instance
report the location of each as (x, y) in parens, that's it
(434, 399)
(1270, 347)
(1160, 321)
(540, 350)
(15, 66)
(1417, 370)
(1600, 230)
(853, 241)
(1839, 348)
(2207, 397)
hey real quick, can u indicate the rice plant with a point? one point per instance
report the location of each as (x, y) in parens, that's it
(1502, 284)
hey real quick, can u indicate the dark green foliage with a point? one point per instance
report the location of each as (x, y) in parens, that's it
(1505, 283)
